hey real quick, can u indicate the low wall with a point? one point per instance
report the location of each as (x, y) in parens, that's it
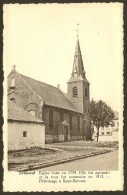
(51, 139)
(61, 138)
(76, 138)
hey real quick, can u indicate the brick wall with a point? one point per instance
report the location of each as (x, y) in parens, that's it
(82, 102)
(24, 96)
(56, 122)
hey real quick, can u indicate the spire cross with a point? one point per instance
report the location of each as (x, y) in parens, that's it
(77, 30)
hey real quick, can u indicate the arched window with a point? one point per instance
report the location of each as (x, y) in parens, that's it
(78, 122)
(61, 116)
(75, 92)
(32, 112)
(86, 92)
(13, 82)
(85, 109)
(13, 100)
(33, 109)
(51, 119)
(70, 121)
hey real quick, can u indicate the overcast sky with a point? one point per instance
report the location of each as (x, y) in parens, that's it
(40, 40)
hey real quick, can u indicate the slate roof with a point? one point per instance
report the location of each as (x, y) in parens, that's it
(78, 67)
(15, 113)
(50, 94)
(78, 62)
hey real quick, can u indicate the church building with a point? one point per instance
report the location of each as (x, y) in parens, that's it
(66, 115)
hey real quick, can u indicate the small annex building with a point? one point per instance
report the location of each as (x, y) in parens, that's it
(24, 130)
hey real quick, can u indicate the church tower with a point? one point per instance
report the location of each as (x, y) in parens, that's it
(78, 87)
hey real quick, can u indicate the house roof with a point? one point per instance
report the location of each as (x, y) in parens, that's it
(15, 113)
(50, 94)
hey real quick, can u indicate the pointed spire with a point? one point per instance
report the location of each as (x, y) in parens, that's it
(78, 68)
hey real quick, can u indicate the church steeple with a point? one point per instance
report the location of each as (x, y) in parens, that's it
(78, 85)
(79, 88)
(78, 68)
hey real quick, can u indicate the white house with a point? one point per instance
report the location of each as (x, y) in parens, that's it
(24, 130)
(109, 133)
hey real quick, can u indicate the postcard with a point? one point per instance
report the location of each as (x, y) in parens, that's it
(63, 97)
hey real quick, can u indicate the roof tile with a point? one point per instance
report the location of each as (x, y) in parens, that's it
(50, 94)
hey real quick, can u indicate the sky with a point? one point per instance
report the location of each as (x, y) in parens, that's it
(40, 39)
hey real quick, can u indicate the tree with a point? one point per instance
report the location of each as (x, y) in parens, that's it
(101, 114)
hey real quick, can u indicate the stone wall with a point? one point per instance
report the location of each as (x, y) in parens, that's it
(51, 138)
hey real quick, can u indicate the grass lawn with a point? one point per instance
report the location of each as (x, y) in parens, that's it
(35, 156)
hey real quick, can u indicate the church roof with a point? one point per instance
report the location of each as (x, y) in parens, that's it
(16, 113)
(50, 94)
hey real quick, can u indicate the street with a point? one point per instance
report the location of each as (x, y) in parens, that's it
(108, 161)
